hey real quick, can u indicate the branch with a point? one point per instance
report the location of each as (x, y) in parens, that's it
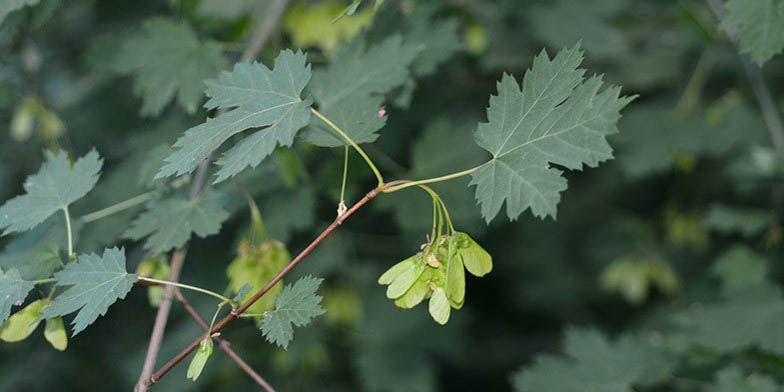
(223, 344)
(260, 36)
(235, 314)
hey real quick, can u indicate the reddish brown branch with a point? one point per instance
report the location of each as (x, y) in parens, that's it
(233, 315)
(222, 343)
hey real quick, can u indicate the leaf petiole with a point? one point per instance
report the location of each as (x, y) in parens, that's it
(225, 300)
(434, 179)
(70, 234)
(121, 206)
(337, 129)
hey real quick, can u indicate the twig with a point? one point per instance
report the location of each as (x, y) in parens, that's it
(235, 314)
(160, 320)
(260, 36)
(223, 344)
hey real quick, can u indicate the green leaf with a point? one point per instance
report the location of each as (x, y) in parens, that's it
(592, 363)
(732, 379)
(744, 220)
(200, 359)
(557, 118)
(259, 98)
(752, 317)
(740, 268)
(55, 333)
(96, 283)
(13, 291)
(297, 304)
(19, 326)
(349, 91)
(56, 185)
(35, 253)
(170, 223)
(8, 6)
(475, 259)
(761, 25)
(439, 306)
(168, 60)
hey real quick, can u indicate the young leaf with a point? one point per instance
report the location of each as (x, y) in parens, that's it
(439, 306)
(170, 223)
(56, 185)
(297, 304)
(260, 98)
(200, 359)
(168, 59)
(8, 6)
(557, 118)
(19, 326)
(592, 363)
(761, 25)
(96, 283)
(13, 291)
(54, 332)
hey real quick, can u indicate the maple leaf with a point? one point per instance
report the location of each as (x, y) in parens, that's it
(761, 25)
(350, 90)
(168, 60)
(170, 223)
(297, 304)
(13, 291)
(594, 364)
(556, 118)
(260, 98)
(56, 185)
(96, 283)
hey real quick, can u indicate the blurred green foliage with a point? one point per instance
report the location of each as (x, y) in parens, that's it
(661, 273)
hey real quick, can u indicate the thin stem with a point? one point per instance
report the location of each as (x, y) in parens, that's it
(121, 206)
(70, 234)
(214, 317)
(189, 287)
(43, 281)
(435, 216)
(223, 344)
(236, 313)
(446, 214)
(161, 319)
(345, 174)
(432, 180)
(350, 141)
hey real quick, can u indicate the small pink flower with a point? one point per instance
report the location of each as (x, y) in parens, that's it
(382, 112)
(18, 302)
